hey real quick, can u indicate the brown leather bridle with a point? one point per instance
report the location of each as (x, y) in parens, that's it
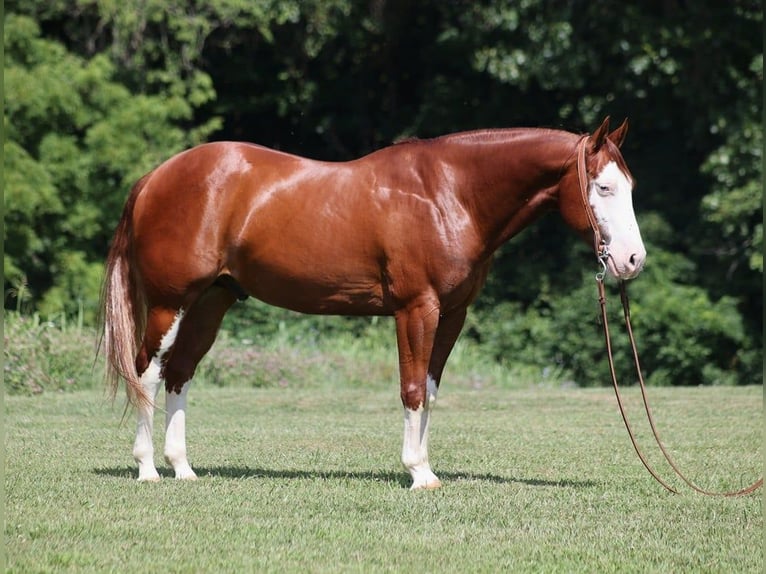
(602, 253)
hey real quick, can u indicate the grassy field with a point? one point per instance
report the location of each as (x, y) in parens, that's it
(308, 480)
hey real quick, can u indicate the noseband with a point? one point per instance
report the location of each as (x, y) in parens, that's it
(602, 253)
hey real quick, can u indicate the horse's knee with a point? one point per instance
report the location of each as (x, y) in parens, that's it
(413, 395)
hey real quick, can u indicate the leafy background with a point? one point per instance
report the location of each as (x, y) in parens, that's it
(97, 92)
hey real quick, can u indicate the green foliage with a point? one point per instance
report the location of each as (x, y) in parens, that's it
(98, 92)
(76, 140)
(688, 338)
(734, 207)
(45, 356)
(60, 355)
(29, 196)
(683, 337)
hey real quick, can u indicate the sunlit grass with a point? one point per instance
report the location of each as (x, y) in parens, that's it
(308, 480)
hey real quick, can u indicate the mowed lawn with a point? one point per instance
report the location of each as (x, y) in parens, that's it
(309, 480)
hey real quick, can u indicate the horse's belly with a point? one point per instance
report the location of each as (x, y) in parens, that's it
(311, 289)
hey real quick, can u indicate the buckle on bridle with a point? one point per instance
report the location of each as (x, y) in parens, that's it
(603, 255)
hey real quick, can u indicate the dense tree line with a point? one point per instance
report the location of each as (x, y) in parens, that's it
(97, 92)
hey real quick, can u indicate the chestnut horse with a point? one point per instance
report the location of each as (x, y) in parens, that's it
(408, 231)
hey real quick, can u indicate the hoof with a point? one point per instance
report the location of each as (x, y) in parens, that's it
(153, 478)
(430, 485)
(186, 475)
(181, 467)
(184, 471)
(147, 472)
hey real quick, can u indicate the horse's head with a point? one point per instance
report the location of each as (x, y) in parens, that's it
(609, 192)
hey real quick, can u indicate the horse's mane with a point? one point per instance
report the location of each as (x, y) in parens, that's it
(487, 134)
(408, 140)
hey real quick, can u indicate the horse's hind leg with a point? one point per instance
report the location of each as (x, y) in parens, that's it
(195, 336)
(161, 330)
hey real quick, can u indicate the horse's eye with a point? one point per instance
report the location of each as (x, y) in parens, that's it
(604, 189)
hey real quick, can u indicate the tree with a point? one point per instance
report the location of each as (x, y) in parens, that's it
(76, 140)
(99, 92)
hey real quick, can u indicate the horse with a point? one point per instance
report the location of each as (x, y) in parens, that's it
(407, 231)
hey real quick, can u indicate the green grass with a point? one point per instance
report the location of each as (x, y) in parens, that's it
(308, 480)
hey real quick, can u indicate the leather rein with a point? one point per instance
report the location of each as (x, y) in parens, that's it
(602, 252)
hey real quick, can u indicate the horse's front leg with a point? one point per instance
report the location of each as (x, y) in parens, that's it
(415, 330)
(415, 444)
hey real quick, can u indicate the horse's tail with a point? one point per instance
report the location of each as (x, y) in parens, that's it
(123, 309)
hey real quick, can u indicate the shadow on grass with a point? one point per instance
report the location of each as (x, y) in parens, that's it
(400, 478)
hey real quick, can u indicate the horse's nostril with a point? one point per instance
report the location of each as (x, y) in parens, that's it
(636, 261)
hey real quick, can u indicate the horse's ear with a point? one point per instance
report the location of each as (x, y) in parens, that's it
(618, 135)
(599, 136)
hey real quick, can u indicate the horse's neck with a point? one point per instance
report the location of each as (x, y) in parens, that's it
(508, 178)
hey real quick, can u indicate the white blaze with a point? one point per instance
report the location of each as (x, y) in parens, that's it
(611, 197)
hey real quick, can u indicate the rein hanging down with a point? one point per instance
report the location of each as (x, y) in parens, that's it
(602, 253)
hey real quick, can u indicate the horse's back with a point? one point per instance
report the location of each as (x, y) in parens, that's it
(347, 238)
(276, 222)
